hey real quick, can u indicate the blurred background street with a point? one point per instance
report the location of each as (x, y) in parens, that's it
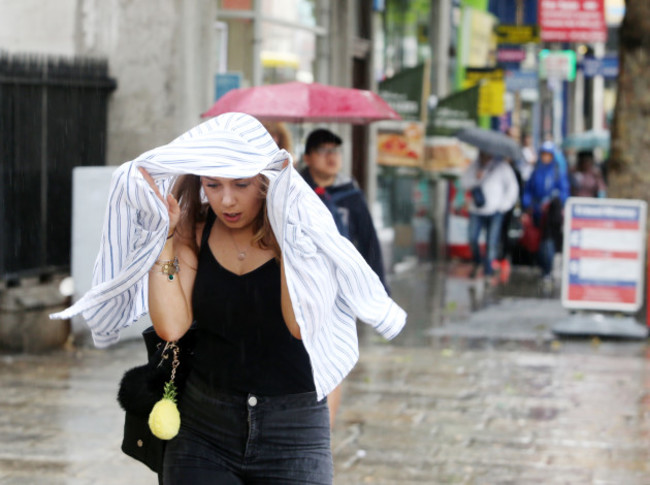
(488, 396)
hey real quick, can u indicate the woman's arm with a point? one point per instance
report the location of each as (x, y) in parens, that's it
(170, 299)
(171, 279)
(287, 308)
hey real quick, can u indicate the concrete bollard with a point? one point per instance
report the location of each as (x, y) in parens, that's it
(25, 325)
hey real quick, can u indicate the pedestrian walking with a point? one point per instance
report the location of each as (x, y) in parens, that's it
(343, 198)
(494, 191)
(511, 224)
(530, 156)
(544, 196)
(243, 250)
(587, 180)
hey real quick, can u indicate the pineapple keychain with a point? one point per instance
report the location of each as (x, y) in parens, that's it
(164, 419)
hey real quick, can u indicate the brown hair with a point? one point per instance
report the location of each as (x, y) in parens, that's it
(279, 129)
(187, 191)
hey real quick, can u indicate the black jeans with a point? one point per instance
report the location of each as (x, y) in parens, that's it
(249, 439)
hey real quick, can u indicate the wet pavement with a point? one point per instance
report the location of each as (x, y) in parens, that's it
(476, 390)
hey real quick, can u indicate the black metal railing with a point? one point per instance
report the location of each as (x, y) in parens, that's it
(53, 117)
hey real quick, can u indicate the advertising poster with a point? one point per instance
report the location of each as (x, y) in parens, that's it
(517, 34)
(492, 89)
(442, 151)
(445, 154)
(572, 20)
(604, 254)
(478, 40)
(400, 144)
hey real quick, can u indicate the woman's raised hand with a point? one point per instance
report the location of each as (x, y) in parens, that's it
(170, 202)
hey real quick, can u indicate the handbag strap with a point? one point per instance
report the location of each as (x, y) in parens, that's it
(174, 349)
(493, 163)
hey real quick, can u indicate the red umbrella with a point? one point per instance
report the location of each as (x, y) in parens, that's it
(299, 102)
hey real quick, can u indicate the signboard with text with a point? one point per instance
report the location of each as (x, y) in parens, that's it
(406, 92)
(510, 55)
(604, 254)
(572, 21)
(557, 65)
(517, 34)
(453, 113)
(491, 99)
(520, 80)
(604, 66)
(226, 81)
(401, 143)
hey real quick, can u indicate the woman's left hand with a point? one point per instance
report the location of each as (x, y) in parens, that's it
(173, 209)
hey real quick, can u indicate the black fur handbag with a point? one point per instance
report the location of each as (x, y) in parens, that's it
(142, 387)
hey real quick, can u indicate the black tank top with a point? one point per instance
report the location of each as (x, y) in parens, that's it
(242, 342)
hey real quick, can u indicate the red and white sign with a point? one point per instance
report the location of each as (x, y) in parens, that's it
(572, 21)
(603, 254)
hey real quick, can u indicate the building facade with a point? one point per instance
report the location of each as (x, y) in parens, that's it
(167, 55)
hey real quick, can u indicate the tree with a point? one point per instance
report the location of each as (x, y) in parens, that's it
(629, 167)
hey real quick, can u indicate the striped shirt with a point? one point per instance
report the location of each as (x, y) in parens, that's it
(330, 284)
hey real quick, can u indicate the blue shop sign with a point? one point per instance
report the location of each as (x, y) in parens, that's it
(605, 66)
(519, 80)
(226, 81)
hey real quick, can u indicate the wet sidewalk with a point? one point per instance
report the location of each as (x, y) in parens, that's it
(464, 395)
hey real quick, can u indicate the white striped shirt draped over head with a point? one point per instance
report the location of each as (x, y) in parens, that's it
(329, 282)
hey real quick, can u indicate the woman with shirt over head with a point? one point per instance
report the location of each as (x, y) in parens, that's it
(247, 251)
(248, 352)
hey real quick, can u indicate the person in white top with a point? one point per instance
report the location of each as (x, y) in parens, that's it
(530, 157)
(496, 182)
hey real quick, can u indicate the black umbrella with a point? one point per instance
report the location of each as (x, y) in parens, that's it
(495, 143)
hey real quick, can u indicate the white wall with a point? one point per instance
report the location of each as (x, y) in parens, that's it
(38, 26)
(160, 53)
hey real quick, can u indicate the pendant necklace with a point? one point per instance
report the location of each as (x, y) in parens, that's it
(241, 254)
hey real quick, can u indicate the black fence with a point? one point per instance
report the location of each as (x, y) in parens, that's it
(53, 115)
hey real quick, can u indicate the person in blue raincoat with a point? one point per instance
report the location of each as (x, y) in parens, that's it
(544, 196)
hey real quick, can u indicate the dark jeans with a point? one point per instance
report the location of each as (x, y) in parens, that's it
(492, 224)
(248, 439)
(546, 254)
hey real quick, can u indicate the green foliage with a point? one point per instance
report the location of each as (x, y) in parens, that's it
(170, 391)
